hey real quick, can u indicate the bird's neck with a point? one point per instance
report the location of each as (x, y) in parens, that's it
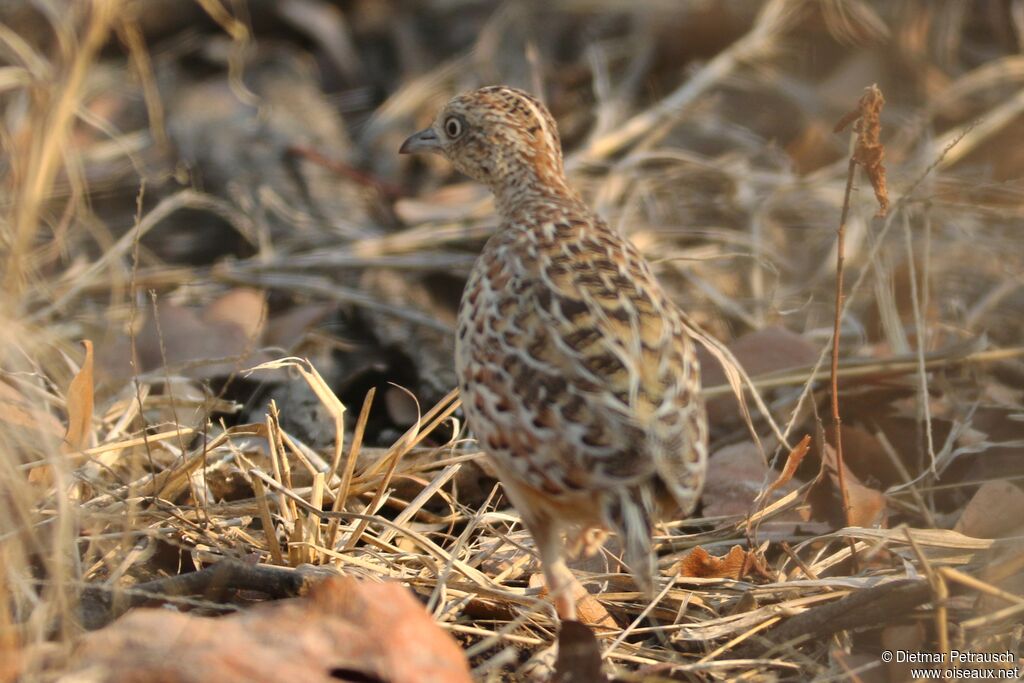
(515, 195)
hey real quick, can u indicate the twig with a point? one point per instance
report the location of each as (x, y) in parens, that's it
(869, 153)
(867, 607)
(837, 323)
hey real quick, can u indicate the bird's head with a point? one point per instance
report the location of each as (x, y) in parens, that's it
(500, 136)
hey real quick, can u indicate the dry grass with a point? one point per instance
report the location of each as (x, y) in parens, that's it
(141, 187)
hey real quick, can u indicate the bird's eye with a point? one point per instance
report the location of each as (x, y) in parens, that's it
(453, 127)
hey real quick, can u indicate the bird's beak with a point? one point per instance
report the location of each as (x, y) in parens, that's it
(424, 141)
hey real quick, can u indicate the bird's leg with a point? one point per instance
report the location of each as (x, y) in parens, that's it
(561, 583)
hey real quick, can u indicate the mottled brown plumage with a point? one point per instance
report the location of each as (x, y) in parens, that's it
(575, 370)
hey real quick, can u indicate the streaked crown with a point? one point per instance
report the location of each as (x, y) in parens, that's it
(500, 136)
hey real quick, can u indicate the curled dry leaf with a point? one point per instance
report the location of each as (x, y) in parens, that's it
(869, 151)
(793, 460)
(700, 564)
(344, 630)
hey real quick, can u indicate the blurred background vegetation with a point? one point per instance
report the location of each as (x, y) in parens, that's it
(201, 187)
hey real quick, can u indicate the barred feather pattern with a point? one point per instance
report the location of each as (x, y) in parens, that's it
(576, 372)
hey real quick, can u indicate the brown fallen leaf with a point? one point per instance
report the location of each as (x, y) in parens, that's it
(80, 404)
(700, 564)
(286, 330)
(995, 511)
(344, 630)
(589, 609)
(770, 349)
(736, 476)
(864, 454)
(793, 460)
(867, 505)
(242, 307)
(579, 655)
(214, 341)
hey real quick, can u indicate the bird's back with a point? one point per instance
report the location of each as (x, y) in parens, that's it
(576, 372)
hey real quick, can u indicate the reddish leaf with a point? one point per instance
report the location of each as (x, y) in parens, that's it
(343, 630)
(767, 350)
(793, 460)
(698, 563)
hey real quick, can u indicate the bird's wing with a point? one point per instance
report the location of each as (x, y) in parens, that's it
(597, 363)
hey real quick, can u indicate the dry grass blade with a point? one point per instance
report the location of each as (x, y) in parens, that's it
(341, 495)
(44, 161)
(426, 424)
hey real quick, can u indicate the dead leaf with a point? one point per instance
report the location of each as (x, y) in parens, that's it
(242, 307)
(214, 341)
(869, 151)
(344, 630)
(793, 460)
(79, 407)
(1005, 570)
(699, 564)
(735, 477)
(864, 454)
(995, 511)
(286, 330)
(867, 506)
(80, 404)
(770, 349)
(589, 609)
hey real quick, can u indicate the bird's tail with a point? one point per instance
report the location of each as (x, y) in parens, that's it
(631, 516)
